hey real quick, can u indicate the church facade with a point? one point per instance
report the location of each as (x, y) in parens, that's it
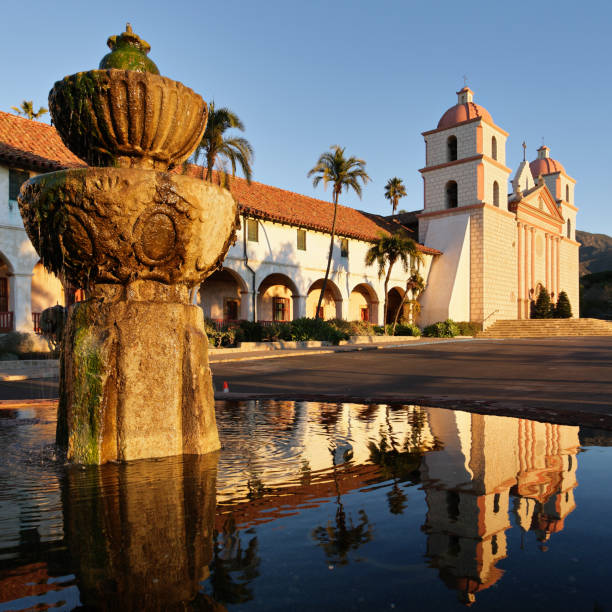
(489, 245)
(499, 249)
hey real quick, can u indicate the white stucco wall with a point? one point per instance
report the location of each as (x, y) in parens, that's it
(276, 253)
(448, 293)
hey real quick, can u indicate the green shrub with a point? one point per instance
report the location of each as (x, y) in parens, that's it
(224, 337)
(249, 331)
(542, 308)
(317, 329)
(23, 344)
(407, 329)
(468, 328)
(442, 329)
(563, 309)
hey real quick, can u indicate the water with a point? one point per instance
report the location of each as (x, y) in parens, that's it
(314, 506)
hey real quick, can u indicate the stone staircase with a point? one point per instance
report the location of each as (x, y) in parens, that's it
(543, 328)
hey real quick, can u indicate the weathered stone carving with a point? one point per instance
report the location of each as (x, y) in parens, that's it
(135, 380)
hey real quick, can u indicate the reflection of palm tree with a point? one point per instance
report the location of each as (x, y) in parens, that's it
(233, 568)
(338, 539)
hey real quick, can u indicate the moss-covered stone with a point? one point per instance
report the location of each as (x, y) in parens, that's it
(128, 52)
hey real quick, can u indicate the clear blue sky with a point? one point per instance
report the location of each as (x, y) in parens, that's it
(370, 76)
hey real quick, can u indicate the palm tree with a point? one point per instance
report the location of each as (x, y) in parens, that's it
(343, 173)
(394, 190)
(215, 145)
(414, 285)
(27, 110)
(386, 251)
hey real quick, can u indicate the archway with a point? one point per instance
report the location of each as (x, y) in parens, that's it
(332, 300)
(363, 304)
(220, 296)
(394, 300)
(6, 311)
(275, 299)
(46, 291)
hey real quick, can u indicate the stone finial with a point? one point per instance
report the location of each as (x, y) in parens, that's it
(128, 52)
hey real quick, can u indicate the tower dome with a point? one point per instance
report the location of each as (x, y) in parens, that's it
(544, 164)
(464, 110)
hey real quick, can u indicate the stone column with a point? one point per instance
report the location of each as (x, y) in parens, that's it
(519, 259)
(299, 306)
(526, 259)
(247, 308)
(548, 280)
(557, 271)
(20, 297)
(532, 255)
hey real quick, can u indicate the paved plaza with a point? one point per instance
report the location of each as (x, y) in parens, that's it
(563, 379)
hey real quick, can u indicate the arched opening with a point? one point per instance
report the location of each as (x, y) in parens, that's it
(275, 299)
(451, 148)
(495, 193)
(46, 291)
(451, 195)
(569, 228)
(363, 304)
(494, 147)
(567, 193)
(6, 313)
(394, 300)
(331, 306)
(220, 296)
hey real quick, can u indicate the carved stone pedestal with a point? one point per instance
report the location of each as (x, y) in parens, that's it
(135, 382)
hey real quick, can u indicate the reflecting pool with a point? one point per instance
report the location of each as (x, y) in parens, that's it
(314, 506)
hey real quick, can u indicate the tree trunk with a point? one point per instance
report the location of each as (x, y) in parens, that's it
(210, 163)
(329, 257)
(399, 309)
(387, 296)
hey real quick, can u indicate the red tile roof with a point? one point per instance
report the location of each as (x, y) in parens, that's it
(37, 146)
(274, 204)
(33, 145)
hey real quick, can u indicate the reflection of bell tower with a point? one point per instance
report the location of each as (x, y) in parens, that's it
(466, 216)
(486, 460)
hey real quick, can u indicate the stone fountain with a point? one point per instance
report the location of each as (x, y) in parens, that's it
(135, 381)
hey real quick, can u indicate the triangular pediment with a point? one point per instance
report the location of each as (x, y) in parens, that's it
(543, 201)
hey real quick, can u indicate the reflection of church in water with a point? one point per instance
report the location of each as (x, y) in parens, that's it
(490, 468)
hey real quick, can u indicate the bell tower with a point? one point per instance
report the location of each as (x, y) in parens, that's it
(465, 214)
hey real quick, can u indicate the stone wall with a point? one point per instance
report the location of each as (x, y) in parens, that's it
(569, 271)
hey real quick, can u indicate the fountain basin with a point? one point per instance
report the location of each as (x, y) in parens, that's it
(127, 118)
(120, 225)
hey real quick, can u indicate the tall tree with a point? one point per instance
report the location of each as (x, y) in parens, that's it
(394, 190)
(414, 287)
(386, 252)
(563, 309)
(217, 148)
(27, 110)
(343, 173)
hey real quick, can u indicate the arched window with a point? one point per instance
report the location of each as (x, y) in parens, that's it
(569, 228)
(451, 144)
(567, 193)
(494, 147)
(451, 194)
(495, 194)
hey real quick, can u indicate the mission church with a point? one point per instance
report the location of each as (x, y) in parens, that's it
(486, 252)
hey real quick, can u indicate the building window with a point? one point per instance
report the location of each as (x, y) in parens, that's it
(567, 193)
(569, 228)
(16, 179)
(280, 309)
(494, 545)
(365, 314)
(495, 194)
(344, 247)
(4, 294)
(451, 145)
(230, 309)
(252, 230)
(301, 240)
(451, 194)
(494, 147)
